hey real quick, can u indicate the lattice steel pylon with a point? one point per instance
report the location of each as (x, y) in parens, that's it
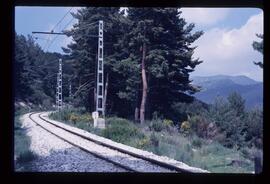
(56, 96)
(100, 71)
(59, 102)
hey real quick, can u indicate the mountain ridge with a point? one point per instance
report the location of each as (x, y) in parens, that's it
(223, 85)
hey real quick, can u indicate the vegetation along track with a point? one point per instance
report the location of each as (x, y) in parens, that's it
(123, 158)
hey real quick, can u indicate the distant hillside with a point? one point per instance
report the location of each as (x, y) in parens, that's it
(222, 85)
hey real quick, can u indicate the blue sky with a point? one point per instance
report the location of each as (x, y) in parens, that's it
(225, 46)
(28, 19)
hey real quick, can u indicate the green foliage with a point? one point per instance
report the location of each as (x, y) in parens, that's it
(25, 157)
(154, 140)
(34, 72)
(156, 115)
(168, 57)
(82, 53)
(73, 118)
(168, 122)
(237, 104)
(185, 127)
(72, 115)
(258, 46)
(226, 121)
(202, 127)
(235, 122)
(196, 142)
(169, 61)
(192, 150)
(143, 143)
(157, 125)
(121, 130)
(254, 127)
(76, 117)
(22, 142)
(183, 110)
(19, 110)
(86, 117)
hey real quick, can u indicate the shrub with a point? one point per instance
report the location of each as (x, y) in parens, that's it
(183, 110)
(254, 123)
(169, 126)
(237, 103)
(121, 130)
(250, 153)
(156, 115)
(168, 122)
(73, 118)
(220, 137)
(197, 142)
(21, 144)
(114, 120)
(157, 125)
(199, 125)
(46, 103)
(154, 140)
(26, 156)
(86, 118)
(143, 143)
(185, 127)
(233, 121)
(63, 115)
(245, 152)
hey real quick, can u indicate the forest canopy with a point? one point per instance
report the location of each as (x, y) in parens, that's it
(147, 57)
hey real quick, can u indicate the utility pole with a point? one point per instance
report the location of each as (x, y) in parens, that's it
(100, 71)
(100, 75)
(56, 97)
(59, 103)
(59, 87)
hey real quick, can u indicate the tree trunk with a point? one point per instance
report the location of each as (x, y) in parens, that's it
(105, 93)
(144, 91)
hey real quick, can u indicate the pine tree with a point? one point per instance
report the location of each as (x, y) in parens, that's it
(34, 72)
(160, 44)
(258, 46)
(83, 52)
(147, 57)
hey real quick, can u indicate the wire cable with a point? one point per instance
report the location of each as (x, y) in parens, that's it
(40, 38)
(47, 44)
(85, 26)
(58, 35)
(62, 19)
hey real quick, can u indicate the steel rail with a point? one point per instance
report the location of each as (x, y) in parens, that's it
(93, 153)
(153, 161)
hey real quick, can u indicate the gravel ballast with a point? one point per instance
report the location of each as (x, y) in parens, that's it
(150, 155)
(136, 164)
(56, 155)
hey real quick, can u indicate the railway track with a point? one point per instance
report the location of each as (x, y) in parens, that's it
(78, 146)
(123, 158)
